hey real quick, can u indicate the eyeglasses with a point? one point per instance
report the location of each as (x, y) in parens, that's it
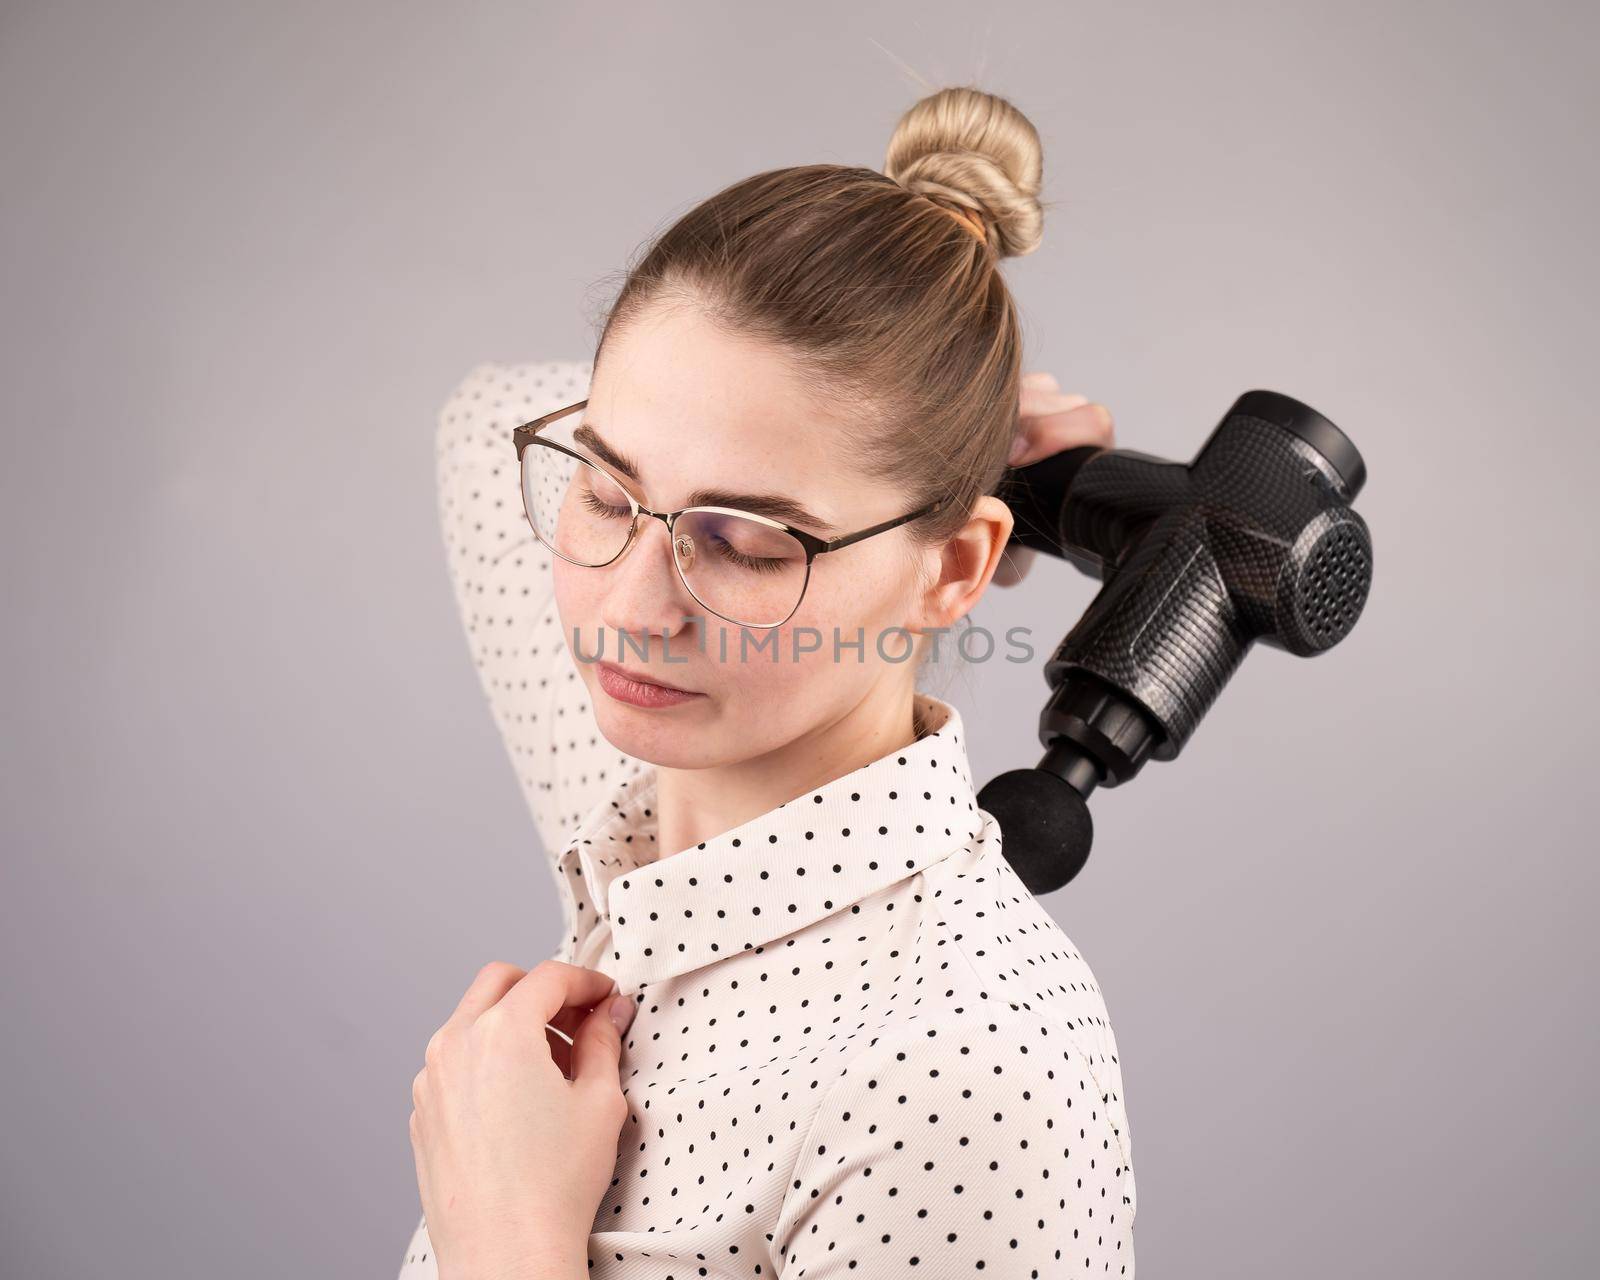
(748, 569)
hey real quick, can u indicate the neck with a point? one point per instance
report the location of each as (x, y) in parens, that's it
(693, 805)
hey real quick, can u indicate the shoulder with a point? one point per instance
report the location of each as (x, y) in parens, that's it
(977, 1067)
(994, 1123)
(1003, 951)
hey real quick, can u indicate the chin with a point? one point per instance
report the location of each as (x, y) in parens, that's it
(674, 737)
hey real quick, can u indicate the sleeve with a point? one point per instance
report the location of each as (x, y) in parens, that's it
(955, 1151)
(505, 593)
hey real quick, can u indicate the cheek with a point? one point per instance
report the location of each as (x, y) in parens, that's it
(562, 584)
(575, 590)
(843, 637)
(872, 593)
(578, 592)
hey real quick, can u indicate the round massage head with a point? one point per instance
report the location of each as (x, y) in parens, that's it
(1045, 827)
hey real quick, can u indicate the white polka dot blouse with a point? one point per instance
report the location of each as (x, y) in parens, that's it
(861, 1046)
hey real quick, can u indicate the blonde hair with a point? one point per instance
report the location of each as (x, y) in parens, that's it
(897, 313)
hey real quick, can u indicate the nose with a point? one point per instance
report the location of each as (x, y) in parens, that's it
(645, 597)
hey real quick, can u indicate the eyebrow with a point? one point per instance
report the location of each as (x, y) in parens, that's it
(774, 505)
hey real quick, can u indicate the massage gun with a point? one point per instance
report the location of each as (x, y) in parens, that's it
(1252, 540)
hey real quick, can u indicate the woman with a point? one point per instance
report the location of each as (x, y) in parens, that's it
(850, 1038)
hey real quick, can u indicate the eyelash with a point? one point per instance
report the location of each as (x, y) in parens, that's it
(602, 508)
(739, 558)
(746, 562)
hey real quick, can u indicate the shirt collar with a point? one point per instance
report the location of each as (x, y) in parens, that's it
(777, 873)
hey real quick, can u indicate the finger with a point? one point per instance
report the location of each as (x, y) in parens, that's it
(1090, 424)
(1040, 400)
(487, 988)
(597, 1048)
(1045, 380)
(1038, 404)
(553, 985)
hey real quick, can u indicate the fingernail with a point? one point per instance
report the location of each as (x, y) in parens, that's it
(621, 1012)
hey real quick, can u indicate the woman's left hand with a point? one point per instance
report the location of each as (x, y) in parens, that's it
(1049, 422)
(513, 1158)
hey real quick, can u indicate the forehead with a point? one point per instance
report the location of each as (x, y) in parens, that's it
(697, 407)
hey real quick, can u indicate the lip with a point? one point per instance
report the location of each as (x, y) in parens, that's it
(637, 690)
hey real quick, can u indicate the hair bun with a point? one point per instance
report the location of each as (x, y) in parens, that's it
(974, 150)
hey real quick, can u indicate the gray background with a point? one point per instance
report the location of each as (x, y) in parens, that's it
(260, 831)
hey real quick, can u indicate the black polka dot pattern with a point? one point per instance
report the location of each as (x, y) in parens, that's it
(860, 1043)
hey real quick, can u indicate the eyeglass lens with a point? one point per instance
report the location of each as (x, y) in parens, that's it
(741, 569)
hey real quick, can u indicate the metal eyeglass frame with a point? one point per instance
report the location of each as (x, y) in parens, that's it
(814, 546)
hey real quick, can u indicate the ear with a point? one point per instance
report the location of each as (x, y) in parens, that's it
(966, 563)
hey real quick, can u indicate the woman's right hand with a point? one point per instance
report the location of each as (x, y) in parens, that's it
(1050, 422)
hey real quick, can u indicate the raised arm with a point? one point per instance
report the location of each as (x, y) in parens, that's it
(504, 590)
